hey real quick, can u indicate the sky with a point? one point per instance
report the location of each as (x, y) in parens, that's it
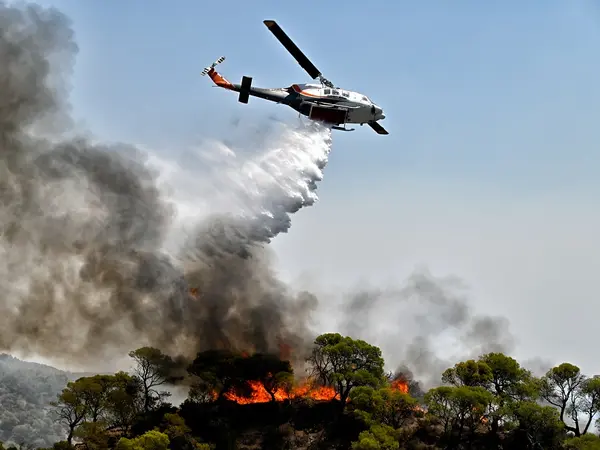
(490, 169)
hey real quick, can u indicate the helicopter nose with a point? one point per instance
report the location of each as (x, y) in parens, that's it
(377, 112)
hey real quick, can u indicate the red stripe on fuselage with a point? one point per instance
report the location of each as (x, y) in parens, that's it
(296, 88)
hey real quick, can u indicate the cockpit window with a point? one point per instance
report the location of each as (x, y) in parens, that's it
(327, 91)
(334, 92)
(366, 99)
(345, 94)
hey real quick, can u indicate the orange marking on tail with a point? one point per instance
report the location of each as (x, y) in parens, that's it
(219, 79)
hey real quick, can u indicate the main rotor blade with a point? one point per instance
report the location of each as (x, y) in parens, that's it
(378, 128)
(289, 45)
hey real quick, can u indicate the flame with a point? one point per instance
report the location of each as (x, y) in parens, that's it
(400, 385)
(307, 389)
(259, 394)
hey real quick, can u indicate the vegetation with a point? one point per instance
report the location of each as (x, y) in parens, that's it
(346, 401)
(26, 390)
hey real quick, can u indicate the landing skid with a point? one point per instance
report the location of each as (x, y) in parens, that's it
(334, 127)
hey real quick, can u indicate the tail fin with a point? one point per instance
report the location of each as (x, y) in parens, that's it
(217, 78)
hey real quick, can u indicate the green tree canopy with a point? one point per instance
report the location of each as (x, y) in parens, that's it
(378, 437)
(70, 407)
(385, 405)
(343, 362)
(459, 408)
(153, 369)
(536, 426)
(151, 440)
(468, 373)
(576, 396)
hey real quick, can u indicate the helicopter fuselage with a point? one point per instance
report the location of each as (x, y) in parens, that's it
(333, 105)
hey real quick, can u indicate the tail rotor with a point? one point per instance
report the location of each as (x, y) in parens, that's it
(213, 65)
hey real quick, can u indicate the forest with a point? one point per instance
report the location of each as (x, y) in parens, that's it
(342, 399)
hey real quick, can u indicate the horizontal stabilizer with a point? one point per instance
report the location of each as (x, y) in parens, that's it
(245, 89)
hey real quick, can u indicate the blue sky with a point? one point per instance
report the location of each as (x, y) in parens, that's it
(471, 90)
(490, 171)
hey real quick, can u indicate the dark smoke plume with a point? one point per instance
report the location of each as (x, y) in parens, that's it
(83, 226)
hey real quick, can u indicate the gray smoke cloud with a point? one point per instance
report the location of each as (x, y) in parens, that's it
(416, 322)
(85, 266)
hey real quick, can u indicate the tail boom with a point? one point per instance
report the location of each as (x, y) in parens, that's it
(245, 89)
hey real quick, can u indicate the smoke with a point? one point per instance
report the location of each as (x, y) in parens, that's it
(421, 319)
(96, 257)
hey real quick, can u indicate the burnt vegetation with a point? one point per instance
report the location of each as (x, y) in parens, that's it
(342, 399)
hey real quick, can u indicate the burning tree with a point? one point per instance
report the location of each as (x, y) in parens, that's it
(344, 363)
(338, 364)
(258, 378)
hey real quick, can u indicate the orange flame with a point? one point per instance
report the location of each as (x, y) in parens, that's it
(400, 385)
(259, 394)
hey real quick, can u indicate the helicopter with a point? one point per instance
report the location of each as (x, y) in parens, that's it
(322, 102)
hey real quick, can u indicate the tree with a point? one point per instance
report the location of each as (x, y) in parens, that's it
(468, 373)
(93, 435)
(459, 407)
(378, 437)
(562, 387)
(151, 440)
(70, 407)
(537, 427)
(343, 362)
(509, 383)
(221, 371)
(179, 434)
(217, 372)
(125, 401)
(586, 442)
(387, 406)
(273, 373)
(95, 391)
(501, 375)
(590, 400)
(154, 369)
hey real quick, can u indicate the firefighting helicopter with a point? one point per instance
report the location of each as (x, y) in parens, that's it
(321, 102)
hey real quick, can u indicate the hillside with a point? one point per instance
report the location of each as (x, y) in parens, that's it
(26, 389)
